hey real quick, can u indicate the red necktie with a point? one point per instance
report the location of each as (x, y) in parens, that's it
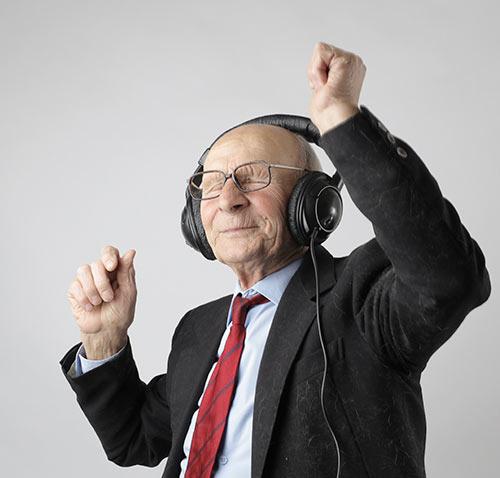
(216, 401)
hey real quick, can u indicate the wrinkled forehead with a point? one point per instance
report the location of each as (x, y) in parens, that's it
(253, 142)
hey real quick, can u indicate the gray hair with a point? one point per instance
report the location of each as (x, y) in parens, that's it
(307, 154)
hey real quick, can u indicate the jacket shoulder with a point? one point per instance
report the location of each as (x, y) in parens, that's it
(213, 312)
(213, 304)
(366, 256)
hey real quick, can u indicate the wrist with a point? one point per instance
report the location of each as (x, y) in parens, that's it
(332, 117)
(103, 345)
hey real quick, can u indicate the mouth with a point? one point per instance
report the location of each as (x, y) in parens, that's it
(237, 229)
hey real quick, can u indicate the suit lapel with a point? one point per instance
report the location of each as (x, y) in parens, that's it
(294, 315)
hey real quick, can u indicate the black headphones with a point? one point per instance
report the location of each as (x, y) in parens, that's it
(314, 205)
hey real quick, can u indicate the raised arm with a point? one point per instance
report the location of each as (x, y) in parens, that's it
(437, 272)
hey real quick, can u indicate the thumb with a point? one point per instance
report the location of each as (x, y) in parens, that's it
(129, 257)
(126, 264)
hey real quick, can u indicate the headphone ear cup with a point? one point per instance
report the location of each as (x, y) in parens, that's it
(295, 210)
(193, 230)
(315, 202)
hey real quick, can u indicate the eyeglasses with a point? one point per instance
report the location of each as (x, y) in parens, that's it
(247, 177)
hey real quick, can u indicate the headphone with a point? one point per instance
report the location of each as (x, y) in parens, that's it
(314, 211)
(314, 204)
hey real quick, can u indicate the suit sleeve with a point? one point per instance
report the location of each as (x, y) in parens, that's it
(84, 365)
(131, 418)
(437, 272)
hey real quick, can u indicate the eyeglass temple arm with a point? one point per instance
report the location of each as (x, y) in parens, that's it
(336, 177)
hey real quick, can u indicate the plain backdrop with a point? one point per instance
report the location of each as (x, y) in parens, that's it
(105, 106)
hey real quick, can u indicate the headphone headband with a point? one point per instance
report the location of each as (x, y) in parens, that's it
(294, 123)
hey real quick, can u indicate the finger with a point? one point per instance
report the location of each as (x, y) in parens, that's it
(323, 58)
(128, 257)
(343, 62)
(85, 277)
(101, 281)
(318, 65)
(126, 264)
(109, 257)
(77, 297)
(132, 274)
(328, 52)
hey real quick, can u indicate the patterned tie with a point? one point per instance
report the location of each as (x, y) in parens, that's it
(216, 401)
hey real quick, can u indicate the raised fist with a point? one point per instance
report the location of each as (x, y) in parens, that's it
(102, 298)
(335, 77)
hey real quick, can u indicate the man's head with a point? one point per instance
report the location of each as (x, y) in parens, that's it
(249, 229)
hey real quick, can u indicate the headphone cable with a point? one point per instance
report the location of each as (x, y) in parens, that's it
(313, 257)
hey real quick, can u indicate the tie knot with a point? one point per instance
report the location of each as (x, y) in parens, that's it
(242, 305)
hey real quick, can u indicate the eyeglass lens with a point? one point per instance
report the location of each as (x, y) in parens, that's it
(248, 177)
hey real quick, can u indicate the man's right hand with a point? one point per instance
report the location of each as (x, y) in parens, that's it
(102, 298)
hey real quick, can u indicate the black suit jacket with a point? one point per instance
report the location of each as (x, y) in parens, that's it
(385, 309)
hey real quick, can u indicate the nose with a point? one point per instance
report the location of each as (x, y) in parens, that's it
(231, 198)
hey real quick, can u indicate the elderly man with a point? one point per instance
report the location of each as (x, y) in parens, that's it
(242, 394)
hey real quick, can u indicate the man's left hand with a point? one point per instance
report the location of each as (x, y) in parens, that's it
(335, 77)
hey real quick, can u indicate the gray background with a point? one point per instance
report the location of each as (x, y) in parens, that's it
(105, 107)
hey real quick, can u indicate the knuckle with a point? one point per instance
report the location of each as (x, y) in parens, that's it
(103, 286)
(82, 269)
(342, 61)
(108, 252)
(100, 283)
(105, 249)
(77, 293)
(314, 74)
(89, 286)
(323, 47)
(111, 258)
(72, 287)
(95, 299)
(91, 290)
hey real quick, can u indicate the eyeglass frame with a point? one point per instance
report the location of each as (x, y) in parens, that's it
(231, 175)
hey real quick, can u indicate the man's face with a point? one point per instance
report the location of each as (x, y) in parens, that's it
(251, 227)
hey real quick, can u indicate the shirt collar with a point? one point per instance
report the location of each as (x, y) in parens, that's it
(271, 286)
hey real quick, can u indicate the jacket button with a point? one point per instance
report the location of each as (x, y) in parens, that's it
(401, 152)
(222, 459)
(382, 127)
(391, 138)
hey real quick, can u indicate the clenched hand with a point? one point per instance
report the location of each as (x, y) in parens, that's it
(335, 77)
(102, 298)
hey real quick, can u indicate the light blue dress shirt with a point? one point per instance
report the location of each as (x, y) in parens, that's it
(235, 451)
